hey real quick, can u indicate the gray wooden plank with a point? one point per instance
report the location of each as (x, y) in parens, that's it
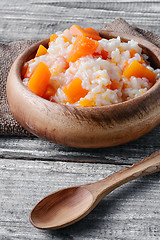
(31, 168)
(38, 19)
(35, 148)
(130, 212)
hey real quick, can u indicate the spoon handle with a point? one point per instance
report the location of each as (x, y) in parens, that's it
(146, 166)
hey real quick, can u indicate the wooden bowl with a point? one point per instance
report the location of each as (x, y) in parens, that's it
(90, 127)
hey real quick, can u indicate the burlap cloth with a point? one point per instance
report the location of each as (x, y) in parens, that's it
(9, 52)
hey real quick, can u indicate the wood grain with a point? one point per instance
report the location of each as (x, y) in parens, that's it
(97, 127)
(38, 19)
(37, 149)
(69, 205)
(131, 212)
(31, 168)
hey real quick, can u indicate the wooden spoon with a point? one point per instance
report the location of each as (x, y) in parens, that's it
(69, 205)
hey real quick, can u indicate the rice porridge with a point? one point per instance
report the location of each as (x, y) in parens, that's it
(82, 69)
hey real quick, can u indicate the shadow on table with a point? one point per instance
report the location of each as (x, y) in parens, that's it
(101, 217)
(123, 154)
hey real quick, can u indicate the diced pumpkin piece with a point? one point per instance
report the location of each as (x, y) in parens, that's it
(136, 69)
(125, 85)
(26, 73)
(41, 51)
(74, 90)
(50, 92)
(132, 53)
(87, 32)
(66, 39)
(76, 30)
(52, 38)
(103, 54)
(92, 33)
(82, 47)
(39, 80)
(114, 85)
(25, 69)
(86, 103)
(142, 61)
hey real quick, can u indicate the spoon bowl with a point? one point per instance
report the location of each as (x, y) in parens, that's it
(85, 127)
(75, 201)
(69, 205)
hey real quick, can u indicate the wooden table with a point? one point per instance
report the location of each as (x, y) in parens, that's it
(31, 168)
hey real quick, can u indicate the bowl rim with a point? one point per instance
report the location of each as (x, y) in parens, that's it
(26, 54)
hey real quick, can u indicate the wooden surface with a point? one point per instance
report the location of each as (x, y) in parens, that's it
(31, 168)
